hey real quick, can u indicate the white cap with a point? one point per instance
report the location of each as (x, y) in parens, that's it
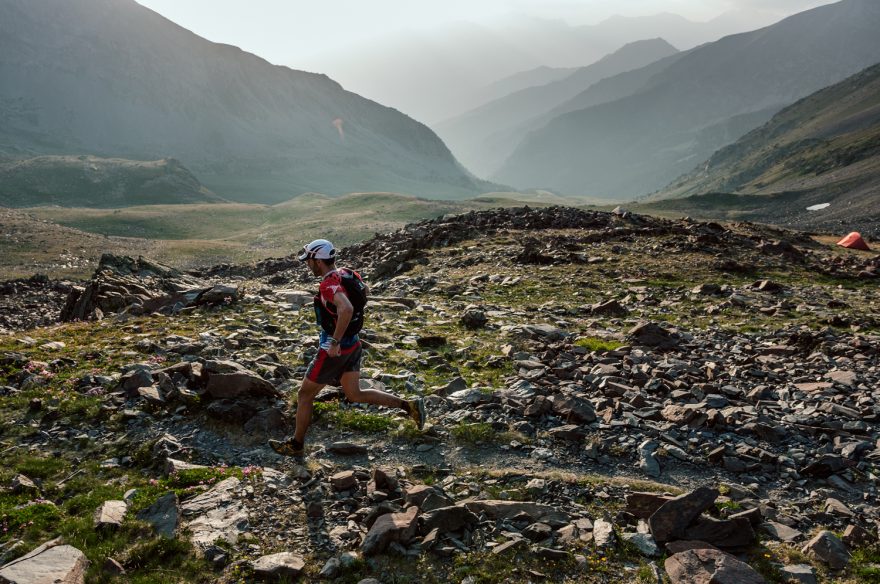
(320, 249)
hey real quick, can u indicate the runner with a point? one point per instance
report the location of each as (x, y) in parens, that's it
(339, 308)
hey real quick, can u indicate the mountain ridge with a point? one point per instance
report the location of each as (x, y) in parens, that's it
(640, 143)
(469, 134)
(143, 87)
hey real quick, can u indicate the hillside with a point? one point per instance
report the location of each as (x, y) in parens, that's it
(111, 78)
(823, 149)
(612, 399)
(68, 242)
(706, 99)
(87, 181)
(443, 69)
(472, 136)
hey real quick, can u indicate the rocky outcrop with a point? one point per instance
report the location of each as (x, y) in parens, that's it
(140, 286)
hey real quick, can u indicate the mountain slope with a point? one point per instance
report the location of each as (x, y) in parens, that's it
(706, 99)
(86, 181)
(823, 149)
(467, 135)
(441, 71)
(112, 78)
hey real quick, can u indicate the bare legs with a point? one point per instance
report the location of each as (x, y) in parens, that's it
(352, 390)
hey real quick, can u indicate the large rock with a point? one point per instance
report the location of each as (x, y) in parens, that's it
(139, 286)
(277, 566)
(239, 384)
(652, 335)
(163, 514)
(706, 566)
(828, 548)
(671, 519)
(391, 527)
(48, 564)
(731, 534)
(110, 515)
(603, 534)
(643, 505)
(574, 409)
(219, 514)
(445, 519)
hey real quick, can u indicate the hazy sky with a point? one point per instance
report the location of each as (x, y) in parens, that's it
(289, 32)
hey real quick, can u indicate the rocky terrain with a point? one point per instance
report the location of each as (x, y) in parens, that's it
(612, 398)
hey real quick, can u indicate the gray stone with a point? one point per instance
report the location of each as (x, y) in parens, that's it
(799, 573)
(671, 519)
(239, 384)
(163, 515)
(643, 505)
(733, 534)
(781, 532)
(218, 514)
(110, 515)
(652, 335)
(643, 542)
(706, 566)
(346, 448)
(647, 461)
(446, 519)
(344, 480)
(279, 565)
(172, 466)
(391, 527)
(568, 432)
(828, 548)
(49, 563)
(538, 532)
(603, 534)
(22, 484)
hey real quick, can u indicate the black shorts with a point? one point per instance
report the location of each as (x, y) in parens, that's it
(328, 370)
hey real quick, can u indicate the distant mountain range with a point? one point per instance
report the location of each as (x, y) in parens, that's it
(111, 78)
(483, 138)
(693, 103)
(443, 71)
(87, 181)
(823, 150)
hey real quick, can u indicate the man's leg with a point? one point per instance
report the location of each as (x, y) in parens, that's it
(304, 405)
(352, 389)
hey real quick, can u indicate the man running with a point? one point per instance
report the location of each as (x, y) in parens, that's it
(338, 361)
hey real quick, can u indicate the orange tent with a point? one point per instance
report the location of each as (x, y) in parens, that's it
(854, 241)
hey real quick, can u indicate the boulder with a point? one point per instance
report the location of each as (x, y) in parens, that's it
(730, 534)
(643, 505)
(828, 548)
(218, 512)
(239, 384)
(344, 480)
(650, 334)
(278, 566)
(391, 527)
(799, 573)
(110, 515)
(706, 566)
(49, 563)
(163, 515)
(671, 519)
(445, 519)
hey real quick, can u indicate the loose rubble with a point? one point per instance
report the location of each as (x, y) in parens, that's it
(639, 413)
